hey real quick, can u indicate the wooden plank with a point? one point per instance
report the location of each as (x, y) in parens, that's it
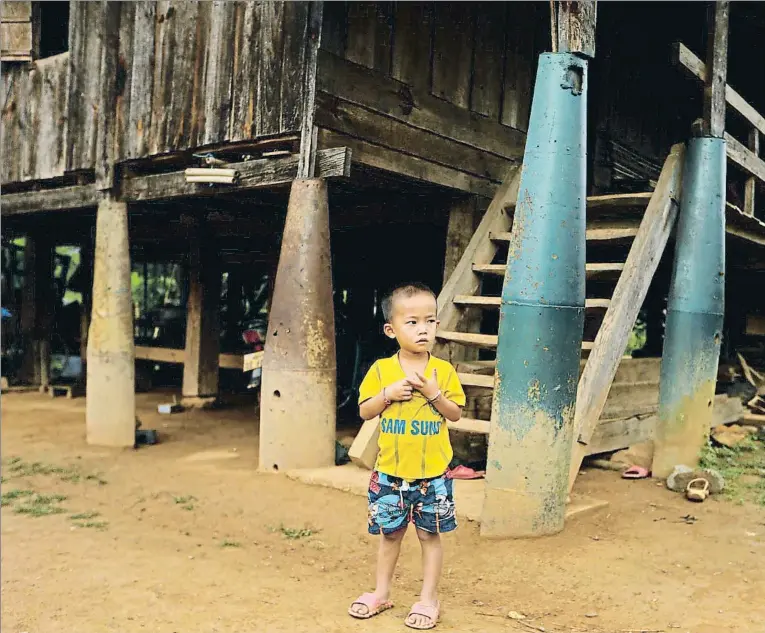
(412, 43)
(459, 231)
(295, 55)
(141, 81)
(480, 250)
(19, 11)
(85, 37)
(270, 68)
(123, 89)
(370, 29)
(486, 93)
(416, 107)
(334, 28)
(75, 197)
(106, 127)
(476, 380)
(593, 235)
(246, 76)
(380, 157)
(717, 64)
(618, 200)
(219, 73)
(345, 117)
(254, 174)
(683, 56)
(453, 52)
(176, 356)
(309, 141)
(750, 187)
(519, 64)
(483, 341)
(496, 302)
(51, 133)
(744, 158)
(630, 291)
(468, 425)
(755, 325)
(576, 27)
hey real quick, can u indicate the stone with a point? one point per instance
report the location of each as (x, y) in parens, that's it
(682, 475)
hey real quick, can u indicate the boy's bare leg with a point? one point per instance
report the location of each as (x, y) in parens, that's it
(432, 562)
(387, 556)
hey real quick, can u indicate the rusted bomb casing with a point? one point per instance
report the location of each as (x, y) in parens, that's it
(542, 314)
(298, 392)
(695, 310)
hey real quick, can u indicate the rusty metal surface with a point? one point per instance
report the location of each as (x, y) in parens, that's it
(301, 329)
(298, 396)
(695, 311)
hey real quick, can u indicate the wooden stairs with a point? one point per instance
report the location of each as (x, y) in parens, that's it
(626, 235)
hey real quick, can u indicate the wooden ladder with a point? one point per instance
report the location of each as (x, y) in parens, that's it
(626, 235)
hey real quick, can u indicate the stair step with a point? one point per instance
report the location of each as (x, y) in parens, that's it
(611, 201)
(599, 271)
(476, 380)
(495, 302)
(593, 235)
(484, 341)
(469, 425)
(633, 372)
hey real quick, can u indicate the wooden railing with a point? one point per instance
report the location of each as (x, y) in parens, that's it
(747, 158)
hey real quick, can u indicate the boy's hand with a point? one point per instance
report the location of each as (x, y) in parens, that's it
(428, 387)
(399, 391)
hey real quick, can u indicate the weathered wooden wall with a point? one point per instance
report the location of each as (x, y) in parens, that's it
(447, 82)
(34, 135)
(189, 74)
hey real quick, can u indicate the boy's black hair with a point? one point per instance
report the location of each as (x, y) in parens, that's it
(406, 290)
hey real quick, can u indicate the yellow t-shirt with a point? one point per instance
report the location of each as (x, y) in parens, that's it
(414, 441)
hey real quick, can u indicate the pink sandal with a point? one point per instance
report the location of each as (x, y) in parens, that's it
(374, 606)
(426, 610)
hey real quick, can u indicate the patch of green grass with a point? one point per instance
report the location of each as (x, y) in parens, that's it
(294, 533)
(17, 467)
(228, 543)
(741, 467)
(12, 495)
(95, 525)
(82, 516)
(187, 499)
(41, 505)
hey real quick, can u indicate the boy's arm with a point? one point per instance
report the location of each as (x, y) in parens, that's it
(373, 407)
(450, 410)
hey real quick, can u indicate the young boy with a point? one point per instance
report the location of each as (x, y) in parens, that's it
(414, 394)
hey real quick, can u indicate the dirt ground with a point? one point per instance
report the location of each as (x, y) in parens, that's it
(188, 537)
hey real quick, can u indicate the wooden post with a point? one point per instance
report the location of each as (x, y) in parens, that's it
(86, 262)
(717, 69)
(110, 405)
(200, 368)
(234, 285)
(751, 182)
(36, 310)
(573, 27)
(462, 224)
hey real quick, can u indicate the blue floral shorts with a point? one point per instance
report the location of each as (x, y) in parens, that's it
(395, 502)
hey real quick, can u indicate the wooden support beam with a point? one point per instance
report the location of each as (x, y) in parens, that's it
(200, 367)
(254, 174)
(744, 158)
(717, 68)
(684, 57)
(751, 183)
(631, 289)
(37, 309)
(573, 27)
(62, 198)
(308, 131)
(110, 402)
(176, 356)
